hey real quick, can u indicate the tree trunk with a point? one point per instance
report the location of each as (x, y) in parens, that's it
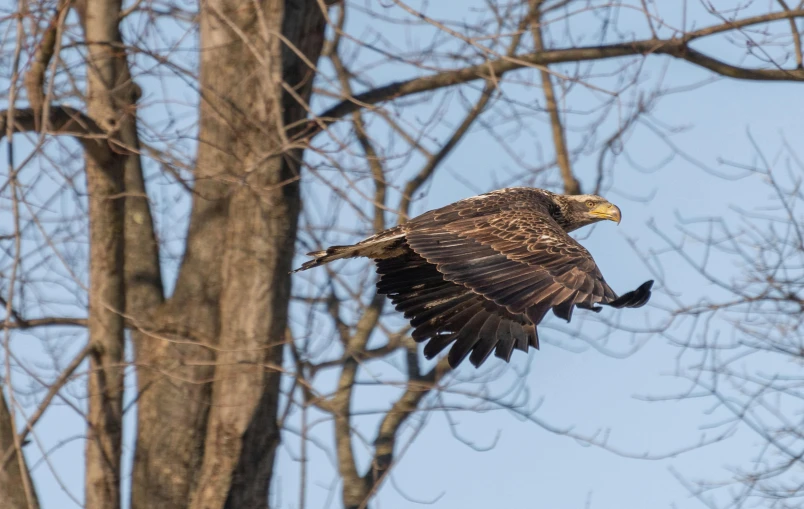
(242, 433)
(106, 81)
(13, 492)
(213, 443)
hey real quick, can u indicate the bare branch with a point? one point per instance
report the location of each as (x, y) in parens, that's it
(44, 322)
(35, 77)
(571, 184)
(53, 389)
(677, 48)
(435, 160)
(26, 496)
(418, 387)
(796, 36)
(373, 160)
(65, 120)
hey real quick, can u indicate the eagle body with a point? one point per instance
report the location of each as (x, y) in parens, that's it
(482, 273)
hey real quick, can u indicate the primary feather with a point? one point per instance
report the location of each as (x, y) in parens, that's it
(482, 273)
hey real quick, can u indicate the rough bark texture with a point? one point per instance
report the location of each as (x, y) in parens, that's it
(169, 454)
(105, 82)
(174, 399)
(144, 296)
(143, 275)
(262, 215)
(106, 335)
(12, 485)
(214, 443)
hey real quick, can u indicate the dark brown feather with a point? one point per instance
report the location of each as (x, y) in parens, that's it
(443, 312)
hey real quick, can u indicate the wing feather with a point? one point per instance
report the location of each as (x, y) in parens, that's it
(487, 340)
(466, 338)
(505, 341)
(443, 312)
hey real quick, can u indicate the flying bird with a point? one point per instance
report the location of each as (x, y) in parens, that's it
(482, 273)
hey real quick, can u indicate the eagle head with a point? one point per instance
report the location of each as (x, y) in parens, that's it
(576, 211)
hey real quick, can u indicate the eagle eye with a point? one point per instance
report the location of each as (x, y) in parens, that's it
(590, 204)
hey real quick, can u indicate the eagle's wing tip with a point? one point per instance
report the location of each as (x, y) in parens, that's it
(633, 299)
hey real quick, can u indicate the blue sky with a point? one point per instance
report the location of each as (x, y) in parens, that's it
(578, 386)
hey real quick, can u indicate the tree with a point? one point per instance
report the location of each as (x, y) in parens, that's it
(741, 343)
(284, 93)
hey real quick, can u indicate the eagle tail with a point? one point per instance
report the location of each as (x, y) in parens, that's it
(385, 244)
(330, 254)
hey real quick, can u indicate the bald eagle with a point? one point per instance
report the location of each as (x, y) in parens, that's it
(482, 272)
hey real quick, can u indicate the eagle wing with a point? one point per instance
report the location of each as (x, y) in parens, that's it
(444, 312)
(515, 255)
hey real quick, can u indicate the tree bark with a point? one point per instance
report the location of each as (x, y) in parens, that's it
(12, 484)
(173, 411)
(144, 291)
(107, 82)
(213, 443)
(242, 433)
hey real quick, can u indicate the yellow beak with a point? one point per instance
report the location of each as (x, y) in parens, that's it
(607, 211)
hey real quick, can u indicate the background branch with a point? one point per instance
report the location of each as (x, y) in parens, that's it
(571, 184)
(677, 48)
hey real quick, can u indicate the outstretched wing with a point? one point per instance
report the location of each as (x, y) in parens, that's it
(515, 255)
(443, 313)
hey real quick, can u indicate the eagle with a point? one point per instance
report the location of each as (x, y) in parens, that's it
(483, 272)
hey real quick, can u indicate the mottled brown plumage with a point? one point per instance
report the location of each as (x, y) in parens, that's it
(483, 272)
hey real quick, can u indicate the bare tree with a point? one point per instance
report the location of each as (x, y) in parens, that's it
(741, 343)
(218, 113)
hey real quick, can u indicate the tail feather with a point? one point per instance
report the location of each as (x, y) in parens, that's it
(330, 254)
(385, 244)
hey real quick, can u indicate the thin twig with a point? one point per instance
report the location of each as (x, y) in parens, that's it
(53, 389)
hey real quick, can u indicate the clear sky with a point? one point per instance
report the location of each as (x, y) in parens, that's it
(522, 464)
